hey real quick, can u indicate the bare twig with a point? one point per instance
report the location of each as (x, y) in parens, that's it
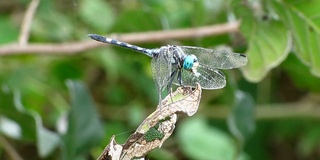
(271, 112)
(297, 109)
(143, 37)
(27, 21)
(9, 149)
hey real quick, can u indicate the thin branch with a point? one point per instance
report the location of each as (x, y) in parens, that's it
(27, 21)
(9, 149)
(142, 37)
(298, 110)
(270, 112)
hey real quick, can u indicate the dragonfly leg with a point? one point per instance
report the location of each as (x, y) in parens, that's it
(169, 88)
(179, 77)
(173, 74)
(171, 94)
(160, 100)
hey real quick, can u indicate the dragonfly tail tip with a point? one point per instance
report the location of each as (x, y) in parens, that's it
(91, 35)
(243, 55)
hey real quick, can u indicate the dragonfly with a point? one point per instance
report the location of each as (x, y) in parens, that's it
(184, 65)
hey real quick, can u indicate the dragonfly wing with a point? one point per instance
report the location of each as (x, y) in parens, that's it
(208, 78)
(161, 68)
(219, 59)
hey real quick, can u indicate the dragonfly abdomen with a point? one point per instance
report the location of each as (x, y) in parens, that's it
(148, 52)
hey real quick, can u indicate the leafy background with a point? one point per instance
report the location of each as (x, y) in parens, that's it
(68, 107)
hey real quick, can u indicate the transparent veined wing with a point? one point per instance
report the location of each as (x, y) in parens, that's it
(219, 59)
(208, 79)
(161, 69)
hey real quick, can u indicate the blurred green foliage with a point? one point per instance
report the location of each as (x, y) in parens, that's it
(68, 107)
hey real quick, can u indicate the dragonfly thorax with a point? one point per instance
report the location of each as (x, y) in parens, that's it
(178, 56)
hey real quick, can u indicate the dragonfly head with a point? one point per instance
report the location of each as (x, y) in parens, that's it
(190, 62)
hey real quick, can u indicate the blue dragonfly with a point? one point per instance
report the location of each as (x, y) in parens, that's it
(185, 65)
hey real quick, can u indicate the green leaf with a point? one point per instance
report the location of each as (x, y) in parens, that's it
(300, 75)
(162, 154)
(171, 14)
(13, 112)
(10, 128)
(96, 13)
(9, 31)
(130, 21)
(200, 141)
(201, 9)
(302, 19)
(109, 61)
(47, 140)
(50, 24)
(269, 43)
(84, 127)
(309, 141)
(30, 125)
(241, 120)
